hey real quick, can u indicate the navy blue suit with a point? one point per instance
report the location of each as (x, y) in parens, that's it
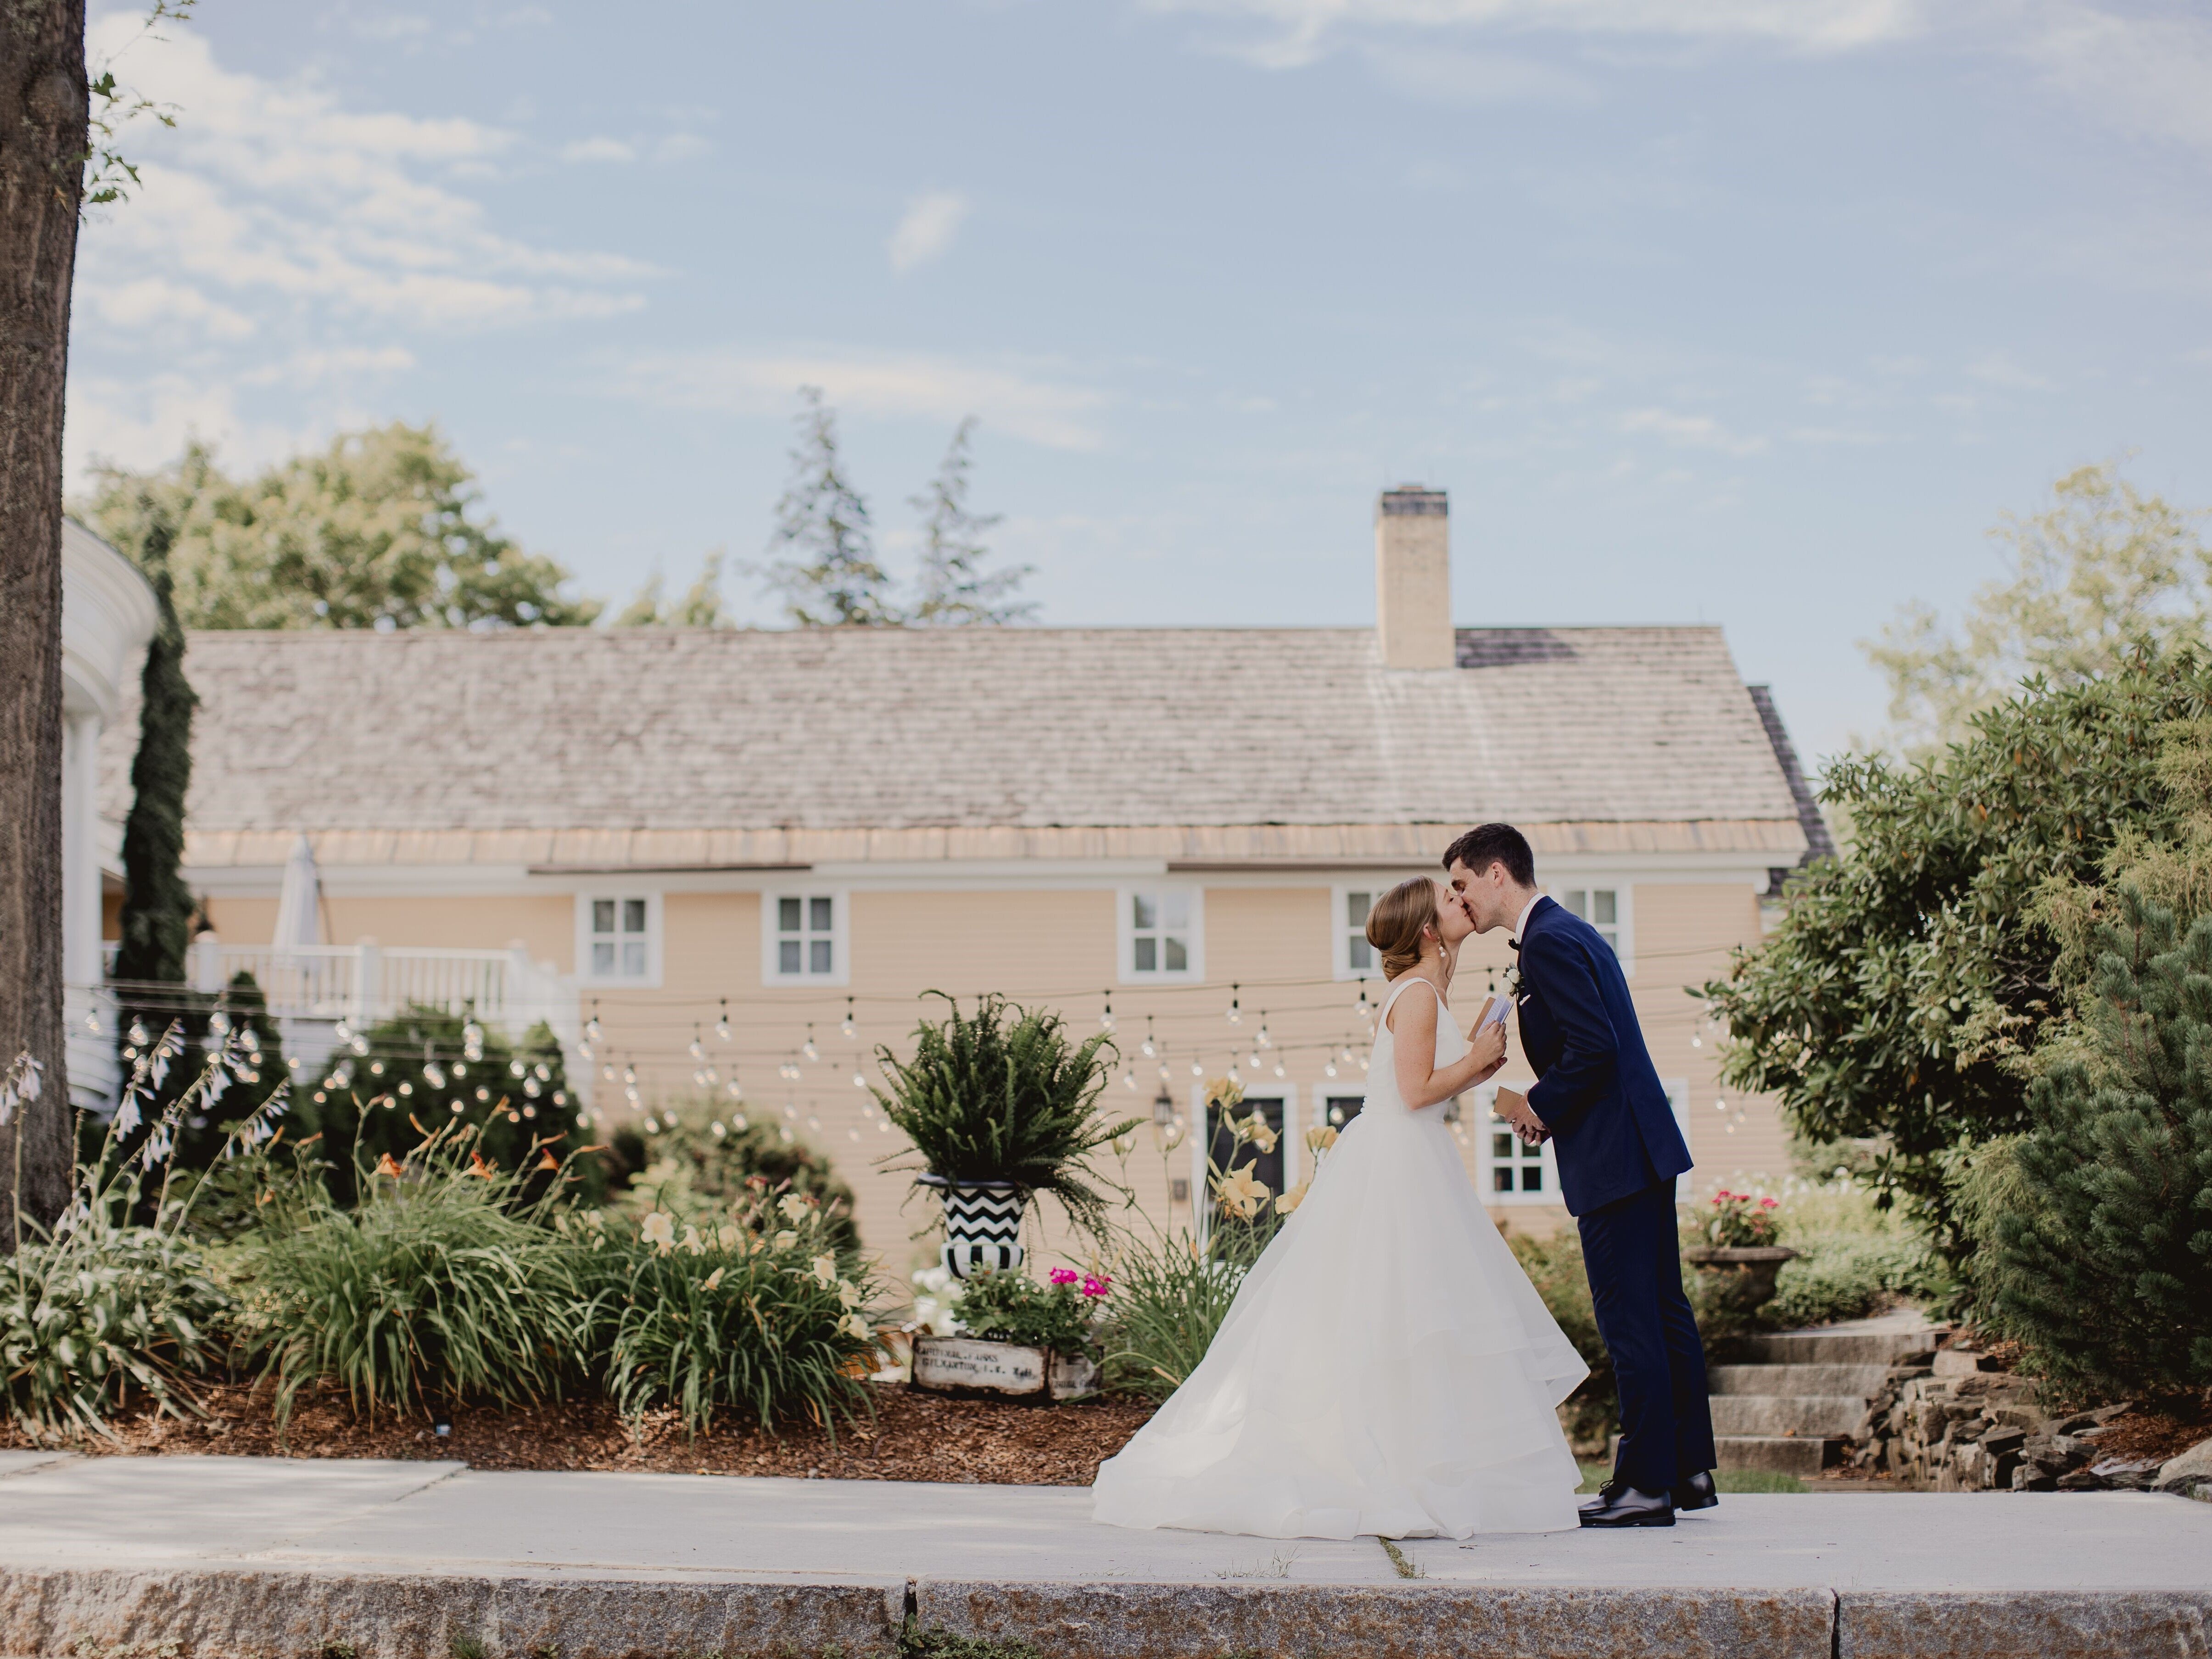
(1618, 1150)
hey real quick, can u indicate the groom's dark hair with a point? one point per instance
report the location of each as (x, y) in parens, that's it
(1494, 843)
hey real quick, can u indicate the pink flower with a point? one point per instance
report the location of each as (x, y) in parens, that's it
(1065, 1276)
(1094, 1284)
(1770, 1203)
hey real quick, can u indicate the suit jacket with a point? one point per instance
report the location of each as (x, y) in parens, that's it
(1612, 1132)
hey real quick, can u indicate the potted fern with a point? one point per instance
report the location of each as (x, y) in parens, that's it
(1000, 1105)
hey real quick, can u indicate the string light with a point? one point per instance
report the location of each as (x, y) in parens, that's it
(1106, 1019)
(1263, 1040)
(1279, 1069)
(1129, 1079)
(807, 1048)
(1198, 1068)
(1235, 1013)
(1329, 1070)
(722, 1024)
(698, 1049)
(1148, 1050)
(848, 1028)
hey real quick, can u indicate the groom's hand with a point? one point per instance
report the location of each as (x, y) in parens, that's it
(1513, 1107)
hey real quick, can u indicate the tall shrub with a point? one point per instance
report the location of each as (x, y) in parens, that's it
(156, 926)
(1909, 978)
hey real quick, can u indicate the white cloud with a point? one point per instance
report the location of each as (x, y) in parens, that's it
(1303, 31)
(282, 239)
(1449, 76)
(1009, 397)
(2147, 74)
(2000, 368)
(598, 149)
(930, 221)
(1690, 431)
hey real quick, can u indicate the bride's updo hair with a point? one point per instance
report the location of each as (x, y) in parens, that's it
(1395, 926)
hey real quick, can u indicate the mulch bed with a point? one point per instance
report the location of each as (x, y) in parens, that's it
(915, 1436)
(2159, 1431)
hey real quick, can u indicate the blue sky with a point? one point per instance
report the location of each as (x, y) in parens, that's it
(1756, 311)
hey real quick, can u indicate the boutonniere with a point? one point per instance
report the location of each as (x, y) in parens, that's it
(1514, 988)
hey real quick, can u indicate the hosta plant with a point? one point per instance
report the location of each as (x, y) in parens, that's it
(759, 1315)
(103, 1313)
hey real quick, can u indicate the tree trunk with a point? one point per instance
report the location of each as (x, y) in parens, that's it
(42, 147)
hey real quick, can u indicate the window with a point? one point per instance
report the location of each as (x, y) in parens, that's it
(1605, 908)
(618, 938)
(1161, 933)
(1359, 954)
(1511, 1173)
(802, 938)
(1270, 1169)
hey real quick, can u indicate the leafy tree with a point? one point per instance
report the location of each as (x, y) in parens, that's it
(2105, 567)
(1899, 997)
(956, 590)
(382, 530)
(700, 606)
(827, 574)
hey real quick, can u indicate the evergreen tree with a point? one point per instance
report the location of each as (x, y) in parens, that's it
(2097, 1221)
(157, 905)
(827, 574)
(700, 606)
(956, 590)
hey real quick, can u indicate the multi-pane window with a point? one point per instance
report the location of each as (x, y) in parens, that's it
(1222, 1145)
(1359, 954)
(1515, 1166)
(619, 943)
(1160, 933)
(805, 935)
(1600, 907)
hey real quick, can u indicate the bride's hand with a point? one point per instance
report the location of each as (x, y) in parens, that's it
(1487, 1050)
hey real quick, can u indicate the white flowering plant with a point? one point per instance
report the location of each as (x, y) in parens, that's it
(759, 1312)
(101, 1308)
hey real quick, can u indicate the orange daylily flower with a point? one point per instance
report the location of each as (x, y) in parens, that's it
(478, 1167)
(388, 1165)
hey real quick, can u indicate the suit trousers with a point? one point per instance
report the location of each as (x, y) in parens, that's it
(1635, 1267)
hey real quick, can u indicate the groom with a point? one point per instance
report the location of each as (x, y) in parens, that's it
(1599, 1100)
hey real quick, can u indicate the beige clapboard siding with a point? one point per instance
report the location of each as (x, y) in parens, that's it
(1057, 946)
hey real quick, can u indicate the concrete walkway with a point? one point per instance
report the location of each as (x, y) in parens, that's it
(226, 1557)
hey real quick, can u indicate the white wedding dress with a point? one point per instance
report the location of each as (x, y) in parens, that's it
(1386, 1367)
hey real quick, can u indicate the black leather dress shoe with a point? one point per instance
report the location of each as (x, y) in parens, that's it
(1631, 1508)
(1698, 1492)
(1606, 1494)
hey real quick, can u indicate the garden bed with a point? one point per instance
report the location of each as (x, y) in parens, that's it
(915, 1436)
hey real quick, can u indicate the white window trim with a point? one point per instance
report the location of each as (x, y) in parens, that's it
(1340, 931)
(1125, 932)
(840, 949)
(651, 981)
(1625, 902)
(1485, 1097)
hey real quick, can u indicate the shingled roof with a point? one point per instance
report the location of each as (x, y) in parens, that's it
(572, 747)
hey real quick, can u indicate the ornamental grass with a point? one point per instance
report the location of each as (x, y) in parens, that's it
(443, 1281)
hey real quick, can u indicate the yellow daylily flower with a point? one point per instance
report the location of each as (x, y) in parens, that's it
(826, 1268)
(658, 1230)
(692, 1243)
(1255, 1129)
(848, 1293)
(1240, 1194)
(794, 1207)
(1287, 1202)
(786, 1239)
(713, 1279)
(1320, 1138)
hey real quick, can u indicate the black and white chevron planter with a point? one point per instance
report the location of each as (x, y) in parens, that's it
(982, 1224)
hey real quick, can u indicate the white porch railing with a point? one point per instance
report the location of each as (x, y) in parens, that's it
(364, 983)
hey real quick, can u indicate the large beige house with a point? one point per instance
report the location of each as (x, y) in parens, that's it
(737, 859)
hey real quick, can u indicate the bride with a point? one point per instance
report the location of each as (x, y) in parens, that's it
(1386, 1367)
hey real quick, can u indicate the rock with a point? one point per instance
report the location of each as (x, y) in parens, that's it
(1951, 1363)
(2185, 1470)
(2126, 1474)
(2004, 1438)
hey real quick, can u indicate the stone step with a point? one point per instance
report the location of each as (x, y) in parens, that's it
(1786, 1414)
(1840, 1346)
(1798, 1454)
(1864, 1381)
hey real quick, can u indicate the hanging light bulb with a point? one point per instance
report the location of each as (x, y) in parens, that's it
(1235, 1013)
(847, 1028)
(1129, 1079)
(1198, 1068)
(735, 1090)
(859, 1080)
(1146, 1048)
(1165, 1073)
(698, 1049)
(1279, 1069)
(630, 1076)
(607, 1071)
(807, 1048)
(1329, 1070)
(1347, 1053)
(1106, 1019)
(1264, 1040)
(722, 1024)
(433, 1074)
(592, 1025)
(342, 1031)
(1235, 1076)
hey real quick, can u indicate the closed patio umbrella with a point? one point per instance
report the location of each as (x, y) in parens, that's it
(299, 900)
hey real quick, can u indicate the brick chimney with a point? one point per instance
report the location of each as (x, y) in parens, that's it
(1412, 578)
